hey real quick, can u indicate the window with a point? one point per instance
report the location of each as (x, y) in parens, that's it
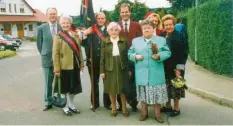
(3, 7)
(30, 27)
(15, 9)
(10, 8)
(21, 8)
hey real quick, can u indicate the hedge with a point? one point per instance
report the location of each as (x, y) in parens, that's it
(7, 53)
(214, 35)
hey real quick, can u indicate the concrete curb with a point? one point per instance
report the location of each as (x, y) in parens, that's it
(211, 96)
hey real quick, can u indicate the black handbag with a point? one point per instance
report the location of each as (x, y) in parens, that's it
(58, 101)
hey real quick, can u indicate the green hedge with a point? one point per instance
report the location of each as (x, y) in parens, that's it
(214, 35)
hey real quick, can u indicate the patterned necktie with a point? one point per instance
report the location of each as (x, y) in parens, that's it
(126, 29)
(53, 30)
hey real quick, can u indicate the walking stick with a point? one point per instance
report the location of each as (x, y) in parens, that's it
(92, 81)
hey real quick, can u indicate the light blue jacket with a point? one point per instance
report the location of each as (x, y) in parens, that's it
(149, 71)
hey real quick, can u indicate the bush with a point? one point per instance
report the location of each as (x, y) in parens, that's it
(7, 53)
(213, 21)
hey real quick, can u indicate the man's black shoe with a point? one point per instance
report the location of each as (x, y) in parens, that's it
(47, 107)
(108, 107)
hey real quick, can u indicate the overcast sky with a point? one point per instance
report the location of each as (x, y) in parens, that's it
(72, 7)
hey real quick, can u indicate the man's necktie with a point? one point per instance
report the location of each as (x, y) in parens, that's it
(126, 29)
(53, 30)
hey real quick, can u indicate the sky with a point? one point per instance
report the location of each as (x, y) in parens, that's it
(72, 7)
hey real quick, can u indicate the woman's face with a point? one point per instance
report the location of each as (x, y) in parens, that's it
(155, 20)
(114, 32)
(65, 24)
(168, 26)
(147, 31)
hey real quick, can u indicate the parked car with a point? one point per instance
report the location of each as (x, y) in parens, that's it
(10, 38)
(6, 44)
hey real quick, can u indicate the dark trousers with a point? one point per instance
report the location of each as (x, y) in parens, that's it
(49, 76)
(96, 77)
(130, 92)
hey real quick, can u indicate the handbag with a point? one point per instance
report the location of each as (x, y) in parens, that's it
(178, 82)
(58, 101)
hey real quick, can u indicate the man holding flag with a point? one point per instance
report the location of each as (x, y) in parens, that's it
(96, 33)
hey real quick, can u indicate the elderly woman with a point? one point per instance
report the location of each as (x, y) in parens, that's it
(157, 22)
(148, 52)
(113, 66)
(174, 66)
(68, 61)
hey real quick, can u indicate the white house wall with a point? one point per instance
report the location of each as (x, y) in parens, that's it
(30, 33)
(14, 30)
(27, 9)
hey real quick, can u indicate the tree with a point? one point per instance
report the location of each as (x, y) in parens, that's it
(181, 5)
(138, 10)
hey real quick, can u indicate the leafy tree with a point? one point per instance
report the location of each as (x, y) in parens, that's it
(138, 10)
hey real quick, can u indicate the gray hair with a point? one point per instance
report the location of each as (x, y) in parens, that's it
(113, 25)
(66, 17)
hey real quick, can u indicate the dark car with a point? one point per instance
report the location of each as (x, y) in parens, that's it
(10, 38)
(5, 44)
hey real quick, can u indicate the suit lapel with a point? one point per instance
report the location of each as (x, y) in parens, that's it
(49, 35)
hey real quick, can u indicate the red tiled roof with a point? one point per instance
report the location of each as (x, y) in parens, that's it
(37, 17)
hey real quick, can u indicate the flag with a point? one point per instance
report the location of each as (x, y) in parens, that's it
(87, 15)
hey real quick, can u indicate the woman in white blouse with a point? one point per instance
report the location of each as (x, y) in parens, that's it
(113, 66)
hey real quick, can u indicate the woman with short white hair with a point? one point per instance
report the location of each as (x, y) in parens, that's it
(68, 61)
(114, 65)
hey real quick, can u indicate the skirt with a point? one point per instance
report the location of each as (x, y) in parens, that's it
(152, 94)
(71, 81)
(115, 80)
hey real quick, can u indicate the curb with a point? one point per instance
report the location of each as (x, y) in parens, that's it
(211, 96)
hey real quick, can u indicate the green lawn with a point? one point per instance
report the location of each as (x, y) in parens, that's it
(7, 53)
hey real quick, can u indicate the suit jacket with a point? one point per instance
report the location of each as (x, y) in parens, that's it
(134, 31)
(96, 47)
(63, 56)
(149, 71)
(45, 44)
(179, 49)
(106, 60)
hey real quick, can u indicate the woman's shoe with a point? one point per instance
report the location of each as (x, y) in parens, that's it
(159, 119)
(114, 113)
(76, 111)
(165, 109)
(143, 117)
(175, 113)
(125, 114)
(67, 113)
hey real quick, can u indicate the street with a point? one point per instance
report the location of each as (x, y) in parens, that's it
(21, 100)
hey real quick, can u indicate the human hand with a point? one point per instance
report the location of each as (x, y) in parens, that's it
(139, 57)
(57, 74)
(102, 76)
(155, 56)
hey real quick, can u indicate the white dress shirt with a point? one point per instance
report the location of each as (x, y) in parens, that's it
(51, 27)
(115, 50)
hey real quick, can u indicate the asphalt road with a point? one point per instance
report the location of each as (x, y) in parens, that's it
(21, 100)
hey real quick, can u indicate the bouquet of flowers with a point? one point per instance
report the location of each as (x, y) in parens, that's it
(179, 82)
(154, 48)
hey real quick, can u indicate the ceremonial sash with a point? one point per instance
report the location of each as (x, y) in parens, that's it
(97, 31)
(71, 42)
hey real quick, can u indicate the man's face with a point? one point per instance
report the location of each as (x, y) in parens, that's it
(100, 19)
(52, 15)
(125, 13)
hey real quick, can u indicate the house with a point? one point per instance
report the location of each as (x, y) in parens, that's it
(19, 19)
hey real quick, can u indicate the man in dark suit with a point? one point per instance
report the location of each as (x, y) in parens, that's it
(130, 30)
(96, 34)
(45, 34)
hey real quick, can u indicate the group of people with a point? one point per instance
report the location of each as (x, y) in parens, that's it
(136, 61)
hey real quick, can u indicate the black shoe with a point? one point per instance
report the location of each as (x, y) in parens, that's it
(164, 109)
(94, 108)
(67, 113)
(175, 113)
(76, 111)
(47, 107)
(119, 108)
(134, 109)
(108, 107)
